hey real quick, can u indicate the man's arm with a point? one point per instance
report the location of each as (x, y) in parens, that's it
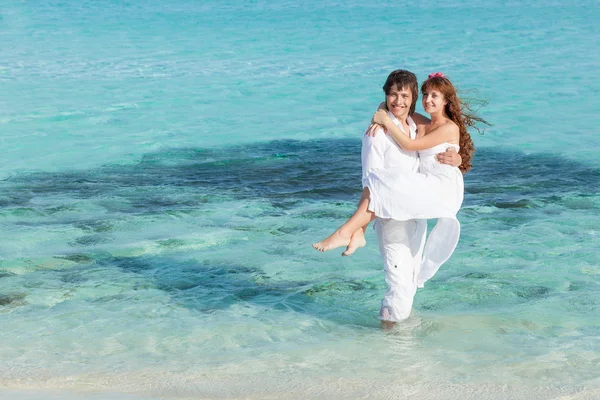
(449, 157)
(372, 153)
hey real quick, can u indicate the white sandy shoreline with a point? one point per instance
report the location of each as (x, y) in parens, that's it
(305, 388)
(63, 394)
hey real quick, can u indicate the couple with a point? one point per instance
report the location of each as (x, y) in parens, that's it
(402, 189)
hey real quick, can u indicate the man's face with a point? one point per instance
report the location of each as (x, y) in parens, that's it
(398, 101)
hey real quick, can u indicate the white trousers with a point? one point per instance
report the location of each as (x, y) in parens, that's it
(401, 245)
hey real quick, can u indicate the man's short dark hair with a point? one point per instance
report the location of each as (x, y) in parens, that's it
(403, 79)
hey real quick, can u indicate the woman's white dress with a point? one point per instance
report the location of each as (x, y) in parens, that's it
(436, 191)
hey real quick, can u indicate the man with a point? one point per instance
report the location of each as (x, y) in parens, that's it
(400, 242)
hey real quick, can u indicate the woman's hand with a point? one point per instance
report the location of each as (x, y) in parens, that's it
(373, 128)
(381, 114)
(381, 117)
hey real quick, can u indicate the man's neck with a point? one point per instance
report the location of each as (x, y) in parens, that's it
(404, 125)
(403, 119)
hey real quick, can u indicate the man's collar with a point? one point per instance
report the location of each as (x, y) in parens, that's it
(411, 123)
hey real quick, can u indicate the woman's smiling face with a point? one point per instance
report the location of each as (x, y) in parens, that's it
(433, 101)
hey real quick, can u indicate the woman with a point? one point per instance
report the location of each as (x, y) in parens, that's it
(436, 191)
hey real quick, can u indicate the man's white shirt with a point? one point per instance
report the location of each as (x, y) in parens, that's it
(381, 151)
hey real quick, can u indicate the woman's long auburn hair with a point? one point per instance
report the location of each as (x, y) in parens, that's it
(459, 112)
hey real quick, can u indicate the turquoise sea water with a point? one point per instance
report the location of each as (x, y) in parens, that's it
(166, 165)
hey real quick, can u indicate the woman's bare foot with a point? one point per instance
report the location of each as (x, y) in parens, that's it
(333, 241)
(356, 241)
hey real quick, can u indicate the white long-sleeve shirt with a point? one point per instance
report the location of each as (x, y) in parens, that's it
(381, 151)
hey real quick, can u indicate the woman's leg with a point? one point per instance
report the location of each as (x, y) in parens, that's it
(358, 238)
(356, 241)
(361, 217)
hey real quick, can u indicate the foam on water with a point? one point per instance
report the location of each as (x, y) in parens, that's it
(167, 165)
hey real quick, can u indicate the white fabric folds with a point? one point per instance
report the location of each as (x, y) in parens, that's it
(435, 192)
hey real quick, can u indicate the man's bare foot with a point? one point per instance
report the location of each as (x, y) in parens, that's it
(385, 316)
(387, 325)
(356, 241)
(333, 241)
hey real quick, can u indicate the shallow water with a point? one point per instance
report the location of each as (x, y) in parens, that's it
(167, 165)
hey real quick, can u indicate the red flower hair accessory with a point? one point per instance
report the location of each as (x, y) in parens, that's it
(436, 75)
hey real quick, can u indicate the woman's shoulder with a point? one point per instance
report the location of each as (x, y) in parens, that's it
(448, 126)
(448, 130)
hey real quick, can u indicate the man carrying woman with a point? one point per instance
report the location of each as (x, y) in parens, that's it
(402, 189)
